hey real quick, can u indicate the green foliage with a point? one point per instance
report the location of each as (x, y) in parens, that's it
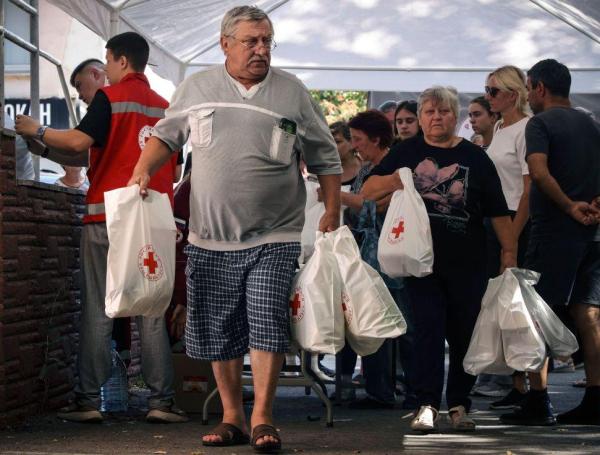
(340, 105)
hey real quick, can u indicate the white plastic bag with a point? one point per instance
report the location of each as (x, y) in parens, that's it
(369, 309)
(485, 353)
(560, 340)
(317, 320)
(524, 347)
(141, 254)
(405, 246)
(313, 211)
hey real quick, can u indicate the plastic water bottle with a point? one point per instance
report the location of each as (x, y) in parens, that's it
(114, 393)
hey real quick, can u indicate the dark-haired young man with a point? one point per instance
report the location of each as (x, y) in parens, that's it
(563, 155)
(119, 120)
(87, 78)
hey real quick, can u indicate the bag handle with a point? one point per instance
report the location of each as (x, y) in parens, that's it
(406, 177)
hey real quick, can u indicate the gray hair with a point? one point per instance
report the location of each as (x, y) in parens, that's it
(446, 96)
(242, 13)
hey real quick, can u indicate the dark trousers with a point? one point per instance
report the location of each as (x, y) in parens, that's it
(377, 367)
(445, 306)
(377, 370)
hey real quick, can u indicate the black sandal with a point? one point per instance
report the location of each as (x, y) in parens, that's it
(260, 431)
(230, 436)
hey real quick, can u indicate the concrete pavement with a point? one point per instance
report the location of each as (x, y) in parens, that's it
(354, 432)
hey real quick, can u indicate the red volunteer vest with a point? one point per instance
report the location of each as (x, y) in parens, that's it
(135, 110)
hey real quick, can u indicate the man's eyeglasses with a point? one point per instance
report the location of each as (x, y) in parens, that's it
(253, 44)
(492, 91)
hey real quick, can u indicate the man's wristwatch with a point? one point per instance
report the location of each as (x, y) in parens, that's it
(40, 132)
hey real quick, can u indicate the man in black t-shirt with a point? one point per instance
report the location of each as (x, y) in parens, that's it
(563, 154)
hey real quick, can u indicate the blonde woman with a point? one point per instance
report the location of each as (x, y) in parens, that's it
(506, 91)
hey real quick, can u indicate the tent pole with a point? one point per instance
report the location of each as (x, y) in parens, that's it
(114, 22)
(556, 13)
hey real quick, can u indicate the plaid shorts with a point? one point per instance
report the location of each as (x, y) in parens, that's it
(239, 300)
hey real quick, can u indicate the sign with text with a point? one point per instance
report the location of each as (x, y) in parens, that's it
(53, 111)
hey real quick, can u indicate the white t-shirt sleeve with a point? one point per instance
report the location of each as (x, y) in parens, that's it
(521, 149)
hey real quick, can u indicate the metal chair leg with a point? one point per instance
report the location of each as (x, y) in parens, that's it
(326, 402)
(210, 396)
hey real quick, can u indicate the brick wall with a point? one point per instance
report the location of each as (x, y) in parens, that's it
(40, 230)
(40, 227)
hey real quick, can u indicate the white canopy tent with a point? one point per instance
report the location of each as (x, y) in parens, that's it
(380, 45)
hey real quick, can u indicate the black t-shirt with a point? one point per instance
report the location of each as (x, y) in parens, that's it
(96, 122)
(460, 187)
(571, 140)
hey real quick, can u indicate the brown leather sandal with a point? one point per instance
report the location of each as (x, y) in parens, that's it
(230, 436)
(260, 431)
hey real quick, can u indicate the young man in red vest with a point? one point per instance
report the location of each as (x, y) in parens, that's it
(119, 120)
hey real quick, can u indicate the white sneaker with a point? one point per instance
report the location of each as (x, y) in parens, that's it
(425, 420)
(460, 421)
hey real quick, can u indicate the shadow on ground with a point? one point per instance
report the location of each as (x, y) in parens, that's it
(301, 421)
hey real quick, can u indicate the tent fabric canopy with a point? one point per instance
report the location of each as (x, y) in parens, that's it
(383, 45)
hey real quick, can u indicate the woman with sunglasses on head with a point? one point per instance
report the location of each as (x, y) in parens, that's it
(506, 92)
(406, 124)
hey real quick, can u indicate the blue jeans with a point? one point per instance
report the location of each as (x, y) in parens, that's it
(95, 333)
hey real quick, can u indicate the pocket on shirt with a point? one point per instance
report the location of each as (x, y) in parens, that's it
(282, 145)
(201, 126)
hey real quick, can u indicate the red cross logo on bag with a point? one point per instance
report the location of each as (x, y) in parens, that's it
(297, 306)
(150, 264)
(395, 234)
(347, 309)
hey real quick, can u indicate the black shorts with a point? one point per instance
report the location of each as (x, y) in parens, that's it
(570, 271)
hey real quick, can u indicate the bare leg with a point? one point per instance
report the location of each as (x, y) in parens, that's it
(228, 375)
(587, 320)
(539, 380)
(265, 373)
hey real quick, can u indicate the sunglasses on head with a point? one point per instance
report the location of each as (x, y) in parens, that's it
(492, 91)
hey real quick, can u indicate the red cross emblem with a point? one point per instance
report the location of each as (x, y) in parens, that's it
(395, 234)
(150, 264)
(398, 229)
(297, 306)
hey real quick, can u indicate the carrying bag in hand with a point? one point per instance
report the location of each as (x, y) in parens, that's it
(141, 254)
(313, 211)
(486, 353)
(560, 340)
(317, 319)
(370, 311)
(523, 345)
(405, 246)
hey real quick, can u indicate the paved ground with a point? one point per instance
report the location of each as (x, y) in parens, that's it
(354, 432)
